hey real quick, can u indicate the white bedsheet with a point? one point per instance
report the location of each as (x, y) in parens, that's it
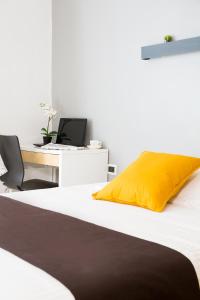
(178, 227)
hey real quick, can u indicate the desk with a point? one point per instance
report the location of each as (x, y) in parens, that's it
(75, 166)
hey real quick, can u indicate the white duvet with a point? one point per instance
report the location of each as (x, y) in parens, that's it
(178, 227)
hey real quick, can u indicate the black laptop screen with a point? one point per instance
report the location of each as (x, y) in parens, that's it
(72, 132)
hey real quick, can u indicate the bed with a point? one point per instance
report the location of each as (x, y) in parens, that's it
(178, 227)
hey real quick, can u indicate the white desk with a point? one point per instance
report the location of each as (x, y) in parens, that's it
(75, 166)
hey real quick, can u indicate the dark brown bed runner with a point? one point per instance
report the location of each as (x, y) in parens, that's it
(93, 262)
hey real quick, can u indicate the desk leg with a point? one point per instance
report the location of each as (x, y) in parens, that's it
(54, 174)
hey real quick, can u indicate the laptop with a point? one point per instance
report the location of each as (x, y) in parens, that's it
(71, 135)
(72, 131)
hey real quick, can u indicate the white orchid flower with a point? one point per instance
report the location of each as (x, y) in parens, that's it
(50, 112)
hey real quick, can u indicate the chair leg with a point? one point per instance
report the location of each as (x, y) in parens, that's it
(9, 190)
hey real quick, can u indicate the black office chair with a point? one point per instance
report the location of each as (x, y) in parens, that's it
(12, 158)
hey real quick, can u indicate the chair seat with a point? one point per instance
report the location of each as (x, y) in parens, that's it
(35, 184)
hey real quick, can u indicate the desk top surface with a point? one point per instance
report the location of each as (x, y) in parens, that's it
(33, 148)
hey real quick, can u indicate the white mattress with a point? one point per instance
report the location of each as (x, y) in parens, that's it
(178, 227)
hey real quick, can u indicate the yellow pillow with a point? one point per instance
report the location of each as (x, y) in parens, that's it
(151, 181)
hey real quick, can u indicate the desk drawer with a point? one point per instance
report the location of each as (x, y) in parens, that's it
(40, 158)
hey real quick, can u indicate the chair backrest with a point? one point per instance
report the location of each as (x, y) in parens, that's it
(12, 158)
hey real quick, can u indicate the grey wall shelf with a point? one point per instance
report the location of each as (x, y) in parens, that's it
(171, 48)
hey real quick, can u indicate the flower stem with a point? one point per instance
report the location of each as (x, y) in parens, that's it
(49, 119)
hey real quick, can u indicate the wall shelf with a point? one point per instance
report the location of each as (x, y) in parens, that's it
(171, 48)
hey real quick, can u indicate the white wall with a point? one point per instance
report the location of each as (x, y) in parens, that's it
(25, 69)
(132, 105)
(25, 66)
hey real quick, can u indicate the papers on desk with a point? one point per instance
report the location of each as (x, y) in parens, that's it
(52, 146)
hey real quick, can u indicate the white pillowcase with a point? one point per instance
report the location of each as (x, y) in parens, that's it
(3, 169)
(189, 196)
